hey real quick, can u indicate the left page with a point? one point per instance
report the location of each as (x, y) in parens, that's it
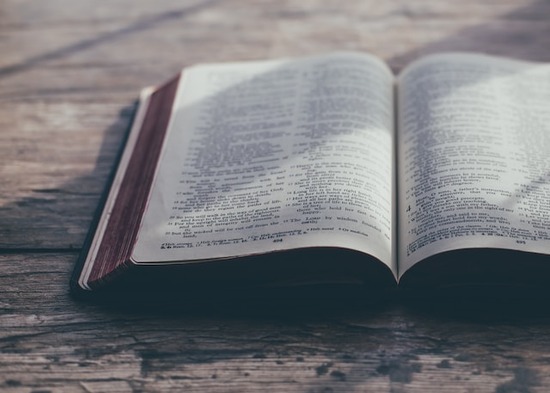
(275, 155)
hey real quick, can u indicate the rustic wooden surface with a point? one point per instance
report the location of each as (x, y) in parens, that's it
(69, 74)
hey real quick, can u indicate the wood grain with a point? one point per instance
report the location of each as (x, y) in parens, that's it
(69, 75)
(54, 343)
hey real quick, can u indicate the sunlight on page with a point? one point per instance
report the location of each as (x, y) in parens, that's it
(270, 156)
(474, 162)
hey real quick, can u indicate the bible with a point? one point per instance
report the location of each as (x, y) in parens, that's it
(331, 169)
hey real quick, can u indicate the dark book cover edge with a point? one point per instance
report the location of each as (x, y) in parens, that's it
(75, 289)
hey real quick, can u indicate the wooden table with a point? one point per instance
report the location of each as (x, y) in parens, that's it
(69, 74)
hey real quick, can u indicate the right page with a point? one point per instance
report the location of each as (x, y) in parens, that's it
(473, 156)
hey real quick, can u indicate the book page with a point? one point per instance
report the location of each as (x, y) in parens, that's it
(474, 156)
(275, 155)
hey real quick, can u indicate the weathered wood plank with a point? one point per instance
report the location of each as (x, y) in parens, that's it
(163, 37)
(55, 161)
(50, 342)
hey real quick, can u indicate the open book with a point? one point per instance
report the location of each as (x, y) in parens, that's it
(331, 169)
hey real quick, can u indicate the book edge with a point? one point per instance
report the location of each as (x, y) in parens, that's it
(74, 283)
